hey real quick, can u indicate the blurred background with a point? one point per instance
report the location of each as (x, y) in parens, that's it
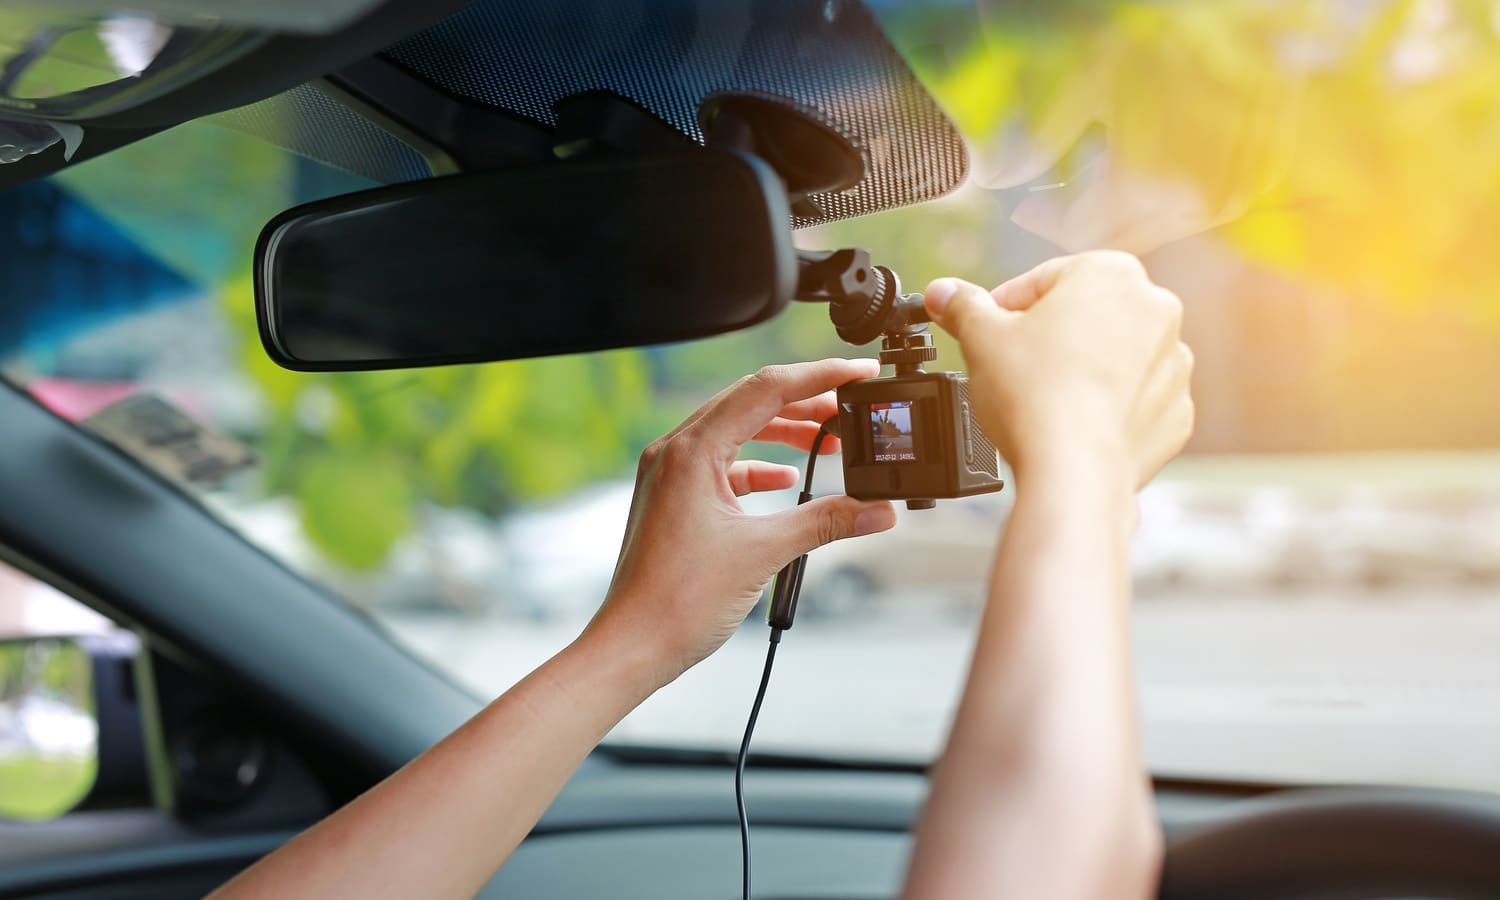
(1317, 578)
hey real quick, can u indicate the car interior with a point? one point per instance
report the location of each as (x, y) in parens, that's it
(239, 684)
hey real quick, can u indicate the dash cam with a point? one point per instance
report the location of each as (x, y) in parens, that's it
(908, 436)
(913, 437)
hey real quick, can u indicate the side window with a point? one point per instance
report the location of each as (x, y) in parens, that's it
(49, 727)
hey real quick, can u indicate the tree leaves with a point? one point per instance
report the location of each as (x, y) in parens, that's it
(361, 451)
(355, 505)
(1354, 147)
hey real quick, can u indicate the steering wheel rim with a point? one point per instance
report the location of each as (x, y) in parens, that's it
(1345, 843)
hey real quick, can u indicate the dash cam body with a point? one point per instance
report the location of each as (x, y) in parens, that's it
(909, 436)
(914, 437)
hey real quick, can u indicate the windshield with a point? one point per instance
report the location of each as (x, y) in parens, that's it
(1317, 579)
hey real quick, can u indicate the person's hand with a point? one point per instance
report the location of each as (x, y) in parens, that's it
(693, 563)
(1081, 352)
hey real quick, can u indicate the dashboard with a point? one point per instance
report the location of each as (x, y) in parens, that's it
(670, 833)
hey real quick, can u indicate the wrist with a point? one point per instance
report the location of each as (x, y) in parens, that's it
(1087, 475)
(1093, 455)
(628, 656)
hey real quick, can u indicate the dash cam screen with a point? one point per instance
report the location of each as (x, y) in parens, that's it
(890, 425)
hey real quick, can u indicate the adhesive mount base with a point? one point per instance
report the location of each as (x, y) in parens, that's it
(810, 154)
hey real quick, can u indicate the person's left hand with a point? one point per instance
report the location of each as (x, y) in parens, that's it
(693, 563)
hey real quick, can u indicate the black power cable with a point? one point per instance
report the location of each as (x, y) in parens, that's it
(783, 607)
(739, 767)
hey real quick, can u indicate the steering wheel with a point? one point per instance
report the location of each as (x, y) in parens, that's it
(1342, 843)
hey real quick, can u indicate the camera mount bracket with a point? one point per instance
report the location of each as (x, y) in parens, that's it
(907, 351)
(865, 302)
(933, 449)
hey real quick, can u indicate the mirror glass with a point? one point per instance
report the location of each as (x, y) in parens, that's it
(561, 257)
(48, 730)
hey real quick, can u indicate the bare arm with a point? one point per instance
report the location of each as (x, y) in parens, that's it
(445, 822)
(692, 566)
(1041, 790)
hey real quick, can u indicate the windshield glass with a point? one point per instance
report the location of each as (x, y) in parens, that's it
(1317, 578)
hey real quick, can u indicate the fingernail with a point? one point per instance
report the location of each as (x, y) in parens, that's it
(869, 521)
(939, 293)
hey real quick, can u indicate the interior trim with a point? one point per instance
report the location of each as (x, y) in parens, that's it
(151, 556)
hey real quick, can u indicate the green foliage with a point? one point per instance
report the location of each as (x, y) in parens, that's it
(34, 786)
(36, 789)
(354, 504)
(54, 666)
(359, 450)
(195, 196)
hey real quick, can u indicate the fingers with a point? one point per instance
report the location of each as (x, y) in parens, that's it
(1164, 413)
(814, 409)
(804, 528)
(1169, 377)
(798, 423)
(750, 475)
(799, 435)
(739, 413)
(1023, 291)
(962, 308)
(1171, 435)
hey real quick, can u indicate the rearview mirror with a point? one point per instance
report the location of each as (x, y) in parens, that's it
(560, 257)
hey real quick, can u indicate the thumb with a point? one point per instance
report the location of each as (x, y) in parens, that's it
(961, 308)
(824, 520)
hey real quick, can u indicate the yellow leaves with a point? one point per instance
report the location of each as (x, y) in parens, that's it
(980, 91)
(497, 394)
(1393, 180)
(1353, 146)
(1272, 234)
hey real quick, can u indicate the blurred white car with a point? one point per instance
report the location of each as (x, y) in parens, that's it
(563, 555)
(1378, 542)
(1344, 538)
(1190, 540)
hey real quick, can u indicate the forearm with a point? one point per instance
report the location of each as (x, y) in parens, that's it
(1040, 792)
(691, 567)
(442, 825)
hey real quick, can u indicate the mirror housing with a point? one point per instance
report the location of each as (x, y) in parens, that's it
(559, 257)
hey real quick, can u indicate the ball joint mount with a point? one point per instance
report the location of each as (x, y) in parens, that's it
(865, 302)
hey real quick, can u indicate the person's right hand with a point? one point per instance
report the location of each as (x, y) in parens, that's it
(1082, 351)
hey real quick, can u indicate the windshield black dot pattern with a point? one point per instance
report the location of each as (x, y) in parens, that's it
(668, 55)
(308, 121)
